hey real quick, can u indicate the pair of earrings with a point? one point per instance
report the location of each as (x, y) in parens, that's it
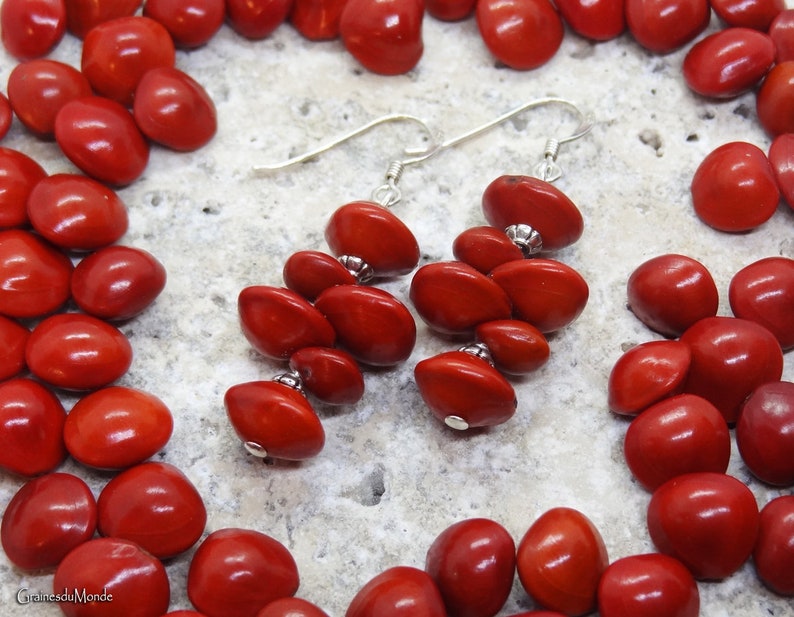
(326, 323)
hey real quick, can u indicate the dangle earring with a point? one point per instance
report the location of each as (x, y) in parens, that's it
(495, 294)
(324, 322)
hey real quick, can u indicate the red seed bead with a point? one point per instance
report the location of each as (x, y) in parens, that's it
(678, 435)
(32, 28)
(731, 357)
(31, 428)
(370, 323)
(117, 282)
(464, 391)
(546, 293)
(273, 419)
(154, 505)
(602, 20)
(310, 272)
(277, 322)
(13, 339)
(374, 234)
(729, 62)
(450, 10)
(47, 518)
(76, 213)
(781, 158)
(82, 15)
(646, 374)
(317, 20)
(774, 100)
(6, 115)
(484, 248)
(782, 32)
(77, 352)
(291, 607)
(773, 555)
(662, 26)
(37, 89)
(331, 375)
(18, 175)
(453, 298)
(34, 275)
(513, 200)
(764, 292)
(191, 24)
(391, 591)
(671, 292)
(756, 14)
(117, 427)
(516, 347)
(765, 433)
(256, 19)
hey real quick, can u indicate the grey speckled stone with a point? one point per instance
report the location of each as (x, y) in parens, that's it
(391, 478)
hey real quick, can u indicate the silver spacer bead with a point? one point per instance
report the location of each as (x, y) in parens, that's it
(456, 422)
(525, 237)
(358, 268)
(291, 379)
(255, 449)
(480, 350)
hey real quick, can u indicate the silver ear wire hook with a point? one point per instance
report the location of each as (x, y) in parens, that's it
(388, 193)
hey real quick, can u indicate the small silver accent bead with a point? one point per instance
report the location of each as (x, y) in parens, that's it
(456, 422)
(255, 449)
(480, 350)
(525, 237)
(358, 268)
(291, 379)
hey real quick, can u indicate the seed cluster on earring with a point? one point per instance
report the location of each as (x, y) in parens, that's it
(683, 187)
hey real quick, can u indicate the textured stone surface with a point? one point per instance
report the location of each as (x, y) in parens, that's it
(391, 477)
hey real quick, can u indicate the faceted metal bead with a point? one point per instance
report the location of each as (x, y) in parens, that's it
(292, 380)
(479, 350)
(254, 448)
(526, 238)
(358, 268)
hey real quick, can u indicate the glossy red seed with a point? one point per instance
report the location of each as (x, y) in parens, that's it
(13, 339)
(101, 138)
(77, 213)
(756, 14)
(484, 248)
(782, 32)
(117, 427)
(473, 563)
(273, 419)
(775, 100)
(256, 19)
(464, 391)
(384, 37)
(731, 357)
(729, 62)
(708, 521)
(678, 435)
(317, 20)
(734, 188)
(773, 554)
(32, 28)
(454, 298)
(765, 432)
(523, 34)
(516, 347)
(118, 53)
(374, 326)
(77, 352)
(560, 560)
(31, 428)
(154, 505)
(6, 115)
(46, 518)
(601, 20)
(18, 175)
(781, 158)
(662, 26)
(310, 272)
(512, 200)
(277, 322)
(37, 89)
(173, 109)
(117, 282)
(646, 374)
(331, 375)
(111, 567)
(291, 607)
(34, 275)
(671, 292)
(190, 23)
(450, 10)
(763, 292)
(546, 293)
(652, 585)
(82, 15)
(401, 591)
(238, 571)
(373, 233)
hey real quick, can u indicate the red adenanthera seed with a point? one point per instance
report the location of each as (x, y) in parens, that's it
(516, 347)
(6, 115)
(256, 19)
(191, 23)
(331, 375)
(599, 20)
(18, 175)
(13, 340)
(82, 15)
(773, 555)
(775, 99)
(756, 14)
(484, 248)
(781, 158)
(290, 607)
(32, 28)
(398, 592)
(308, 273)
(662, 26)
(317, 20)
(782, 32)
